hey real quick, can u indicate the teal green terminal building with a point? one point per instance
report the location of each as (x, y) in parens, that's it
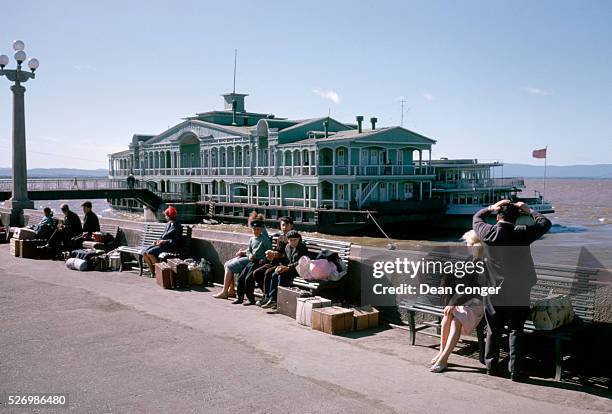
(328, 175)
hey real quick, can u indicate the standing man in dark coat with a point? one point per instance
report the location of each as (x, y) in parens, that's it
(510, 266)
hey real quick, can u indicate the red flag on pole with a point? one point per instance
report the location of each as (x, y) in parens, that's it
(539, 153)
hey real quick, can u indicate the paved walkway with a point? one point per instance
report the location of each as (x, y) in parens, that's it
(118, 343)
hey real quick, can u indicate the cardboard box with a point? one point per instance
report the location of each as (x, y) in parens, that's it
(365, 317)
(15, 247)
(287, 299)
(332, 320)
(303, 312)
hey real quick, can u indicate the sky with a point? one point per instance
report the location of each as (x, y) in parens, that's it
(491, 80)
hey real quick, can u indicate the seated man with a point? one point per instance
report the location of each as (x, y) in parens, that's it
(263, 274)
(285, 273)
(254, 253)
(67, 229)
(170, 241)
(91, 224)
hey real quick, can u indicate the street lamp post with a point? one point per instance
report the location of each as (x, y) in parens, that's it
(19, 197)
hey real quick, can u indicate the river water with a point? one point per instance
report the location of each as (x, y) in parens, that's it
(581, 232)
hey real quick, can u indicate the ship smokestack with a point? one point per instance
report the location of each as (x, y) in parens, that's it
(359, 121)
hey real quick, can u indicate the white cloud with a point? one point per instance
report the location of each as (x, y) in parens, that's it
(328, 94)
(83, 67)
(537, 91)
(428, 97)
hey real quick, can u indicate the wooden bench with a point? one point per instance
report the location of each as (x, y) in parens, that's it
(579, 283)
(315, 246)
(34, 217)
(151, 233)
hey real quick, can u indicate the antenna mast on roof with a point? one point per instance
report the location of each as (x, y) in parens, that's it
(235, 58)
(402, 100)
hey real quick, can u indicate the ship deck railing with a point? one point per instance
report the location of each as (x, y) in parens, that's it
(291, 171)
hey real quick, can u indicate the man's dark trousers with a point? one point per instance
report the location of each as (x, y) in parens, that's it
(514, 317)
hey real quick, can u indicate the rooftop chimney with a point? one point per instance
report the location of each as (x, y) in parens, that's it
(359, 121)
(234, 106)
(373, 121)
(326, 126)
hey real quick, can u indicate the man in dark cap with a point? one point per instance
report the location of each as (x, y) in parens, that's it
(91, 224)
(263, 273)
(285, 272)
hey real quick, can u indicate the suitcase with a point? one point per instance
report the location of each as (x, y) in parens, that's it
(101, 263)
(163, 275)
(15, 247)
(93, 245)
(287, 299)
(180, 272)
(24, 233)
(29, 250)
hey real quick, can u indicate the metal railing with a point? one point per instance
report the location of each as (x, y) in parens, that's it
(518, 182)
(79, 183)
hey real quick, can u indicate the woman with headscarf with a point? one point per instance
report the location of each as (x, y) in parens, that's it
(169, 241)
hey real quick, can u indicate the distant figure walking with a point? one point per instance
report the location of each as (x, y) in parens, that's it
(510, 266)
(131, 180)
(75, 184)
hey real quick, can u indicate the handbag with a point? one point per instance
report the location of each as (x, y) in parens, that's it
(552, 312)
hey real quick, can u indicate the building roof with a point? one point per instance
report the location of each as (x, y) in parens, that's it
(121, 153)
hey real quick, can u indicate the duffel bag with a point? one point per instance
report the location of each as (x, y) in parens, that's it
(77, 264)
(552, 312)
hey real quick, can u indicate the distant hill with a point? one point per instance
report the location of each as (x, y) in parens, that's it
(58, 172)
(510, 170)
(559, 171)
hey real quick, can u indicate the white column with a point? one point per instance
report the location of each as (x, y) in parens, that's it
(420, 160)
(334, 163)
(334, 192)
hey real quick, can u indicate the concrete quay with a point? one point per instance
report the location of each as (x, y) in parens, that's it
(116, 342)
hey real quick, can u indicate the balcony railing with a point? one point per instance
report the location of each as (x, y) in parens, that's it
(518, 182)
(292, 171)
